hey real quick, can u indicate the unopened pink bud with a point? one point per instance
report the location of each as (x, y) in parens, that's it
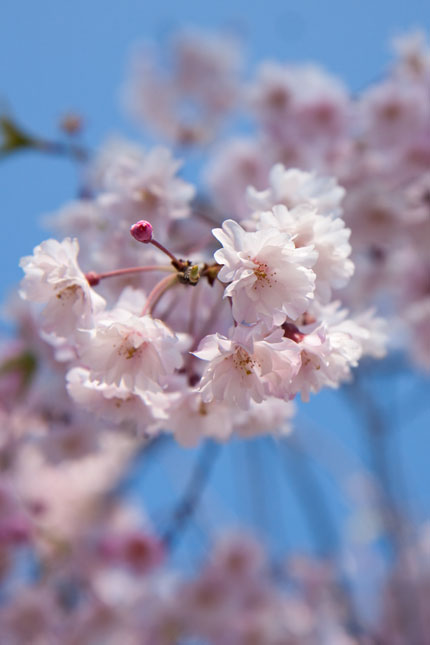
(142, 231)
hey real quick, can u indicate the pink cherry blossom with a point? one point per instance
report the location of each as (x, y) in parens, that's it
(53, 278)
(267, 275)
(131, 351)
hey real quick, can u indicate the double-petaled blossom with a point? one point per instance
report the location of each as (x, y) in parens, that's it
(248, 366)
(236, 165)
(53, 278)
(191, 418)
(393, 113)
(296, 104)
(325, 234)
(219, 348)
(267, 275)
(132, 351)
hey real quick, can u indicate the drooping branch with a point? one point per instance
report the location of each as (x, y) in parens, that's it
(190, 499)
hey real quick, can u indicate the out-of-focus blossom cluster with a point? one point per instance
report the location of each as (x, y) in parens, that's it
(96, 571)
(107, 582)
(101, 575)
(186, 95)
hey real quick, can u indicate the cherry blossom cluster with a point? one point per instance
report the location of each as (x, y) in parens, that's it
(225, 340)
(113, 589)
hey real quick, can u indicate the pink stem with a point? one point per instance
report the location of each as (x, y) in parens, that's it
(163, 248)
(94, 278)
(158, 291)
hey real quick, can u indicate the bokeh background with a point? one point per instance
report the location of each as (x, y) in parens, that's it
(57, 56)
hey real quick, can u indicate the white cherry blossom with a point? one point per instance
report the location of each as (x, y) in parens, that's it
(53, 278)
(327, 235)
(131, 351)
(246, 367)
(267, 275)
(147, 177)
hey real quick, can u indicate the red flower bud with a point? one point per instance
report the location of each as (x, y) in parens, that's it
(142, 231)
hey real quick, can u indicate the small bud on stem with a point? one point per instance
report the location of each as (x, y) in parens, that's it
(142, 231)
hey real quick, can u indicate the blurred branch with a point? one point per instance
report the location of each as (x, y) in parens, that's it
(321, 524)
(377, 434)
(322, 528)
(192, 494)
(258, 486)
(377, 430)
(15, 138)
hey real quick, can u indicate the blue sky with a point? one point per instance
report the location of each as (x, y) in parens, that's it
(57, 55)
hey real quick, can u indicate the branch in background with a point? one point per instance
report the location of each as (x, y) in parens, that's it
(377, 434)
(321, 525)
(376, 427)
(192, 494)
(14, 138)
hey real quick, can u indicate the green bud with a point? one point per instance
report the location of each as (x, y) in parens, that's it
(193, 274)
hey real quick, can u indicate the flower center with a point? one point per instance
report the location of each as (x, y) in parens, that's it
(69, 293)
(129, 351)
(265, 276)
(310, 359)
(243, 361)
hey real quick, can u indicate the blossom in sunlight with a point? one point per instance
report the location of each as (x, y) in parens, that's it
(236, 165)
(326, 235)
(125, 349)
(392, 113)
(191, 418)
(267, 275)
(53, 278)
(296, 103)
(247, 366)
(148, 178)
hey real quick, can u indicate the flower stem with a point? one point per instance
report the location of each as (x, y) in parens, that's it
(94, 278)
(159, 289)
(164, 250)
